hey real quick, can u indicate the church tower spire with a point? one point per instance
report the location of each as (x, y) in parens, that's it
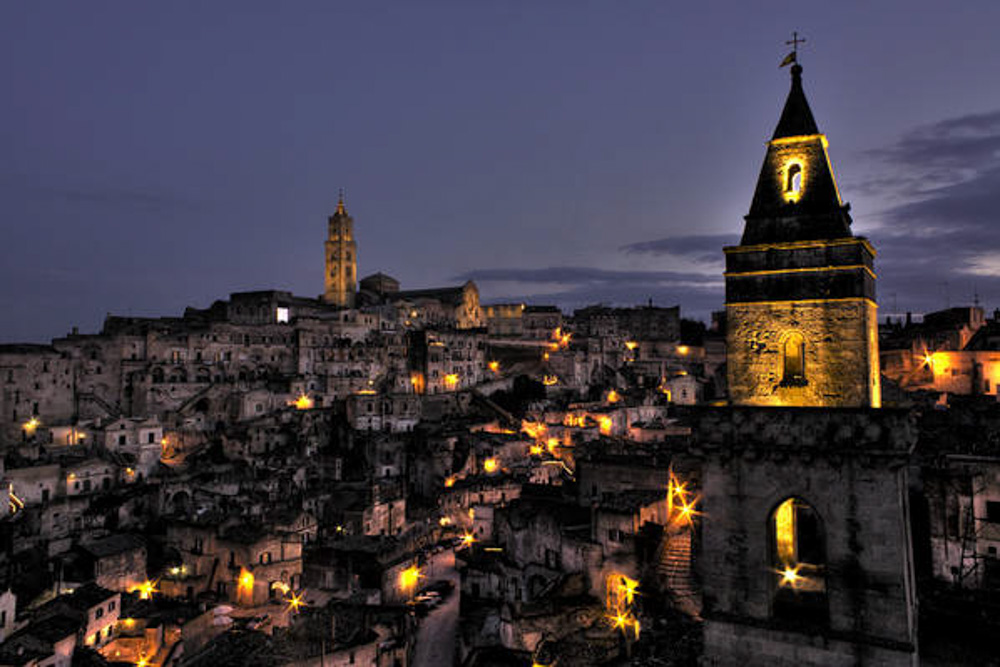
(800, 287)
(340, 280)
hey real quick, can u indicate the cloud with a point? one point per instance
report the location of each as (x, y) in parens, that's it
(584, 275)
(571, 287)
(938, 237)
(702, 248)
(145, 200)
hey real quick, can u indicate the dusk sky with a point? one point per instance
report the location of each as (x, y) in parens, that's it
(160, 155)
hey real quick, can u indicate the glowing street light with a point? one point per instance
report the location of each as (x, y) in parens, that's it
(295, 602)
(409, 578)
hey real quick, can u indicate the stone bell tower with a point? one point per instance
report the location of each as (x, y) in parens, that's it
(800, 288)
(804, 556)
(340, 280)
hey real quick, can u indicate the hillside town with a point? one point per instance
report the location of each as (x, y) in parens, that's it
(392, 477)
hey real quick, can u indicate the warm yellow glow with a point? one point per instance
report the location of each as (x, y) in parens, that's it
(631, 344)
(545, 357)
(244, 586)
(494, 366)
(536, 430)
(451, 380)
(578, 420)
(146, 589)
(613, 396)
(281, 586)
(784, 532)
(664, 389)
(490, 465)
(683, 349)
(604, 423)
(468, 539)
(561, 339)
(444, 521)
(142, 662)
(472, 513)
(366, 392)
(31, 425)
(295, 602)
(449, 481)
(550, 380)
(790, 577)
(303, 402)
(536, 449)
(552, 444)
(793, 177)
(15, 503)
(419, 383)
(409, 578)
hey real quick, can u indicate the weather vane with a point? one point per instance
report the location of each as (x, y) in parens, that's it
(793, 57)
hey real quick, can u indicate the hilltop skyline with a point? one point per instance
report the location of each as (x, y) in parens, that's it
(165, 157)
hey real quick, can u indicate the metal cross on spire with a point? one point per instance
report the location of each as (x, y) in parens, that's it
(794, 43)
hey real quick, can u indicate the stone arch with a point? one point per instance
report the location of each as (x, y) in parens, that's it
(797, 547)
(793, 359)
(793, 179)
(179, 502)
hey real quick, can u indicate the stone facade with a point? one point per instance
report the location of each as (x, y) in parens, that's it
(850, 467)
(841, 353)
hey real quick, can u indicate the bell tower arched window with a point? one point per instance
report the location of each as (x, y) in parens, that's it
(798, 562)
(793, 180)
(793, 355)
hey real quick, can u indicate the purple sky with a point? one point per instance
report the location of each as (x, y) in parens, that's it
(159, 155)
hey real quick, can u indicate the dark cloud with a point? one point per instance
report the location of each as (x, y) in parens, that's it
(584, 275)
(698, 294)
(706, 248)
(938, 241)
(145, 200)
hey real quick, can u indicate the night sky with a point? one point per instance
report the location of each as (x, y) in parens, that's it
(159, 155)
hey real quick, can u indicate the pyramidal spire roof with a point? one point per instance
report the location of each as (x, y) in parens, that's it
(796, 118)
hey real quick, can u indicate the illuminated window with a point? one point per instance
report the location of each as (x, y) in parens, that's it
(794, 360)
(793, 180)
(798, 561)
(281, 316)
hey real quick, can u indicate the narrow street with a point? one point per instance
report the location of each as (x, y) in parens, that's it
(436, 636)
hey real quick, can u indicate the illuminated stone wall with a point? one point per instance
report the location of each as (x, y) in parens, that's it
(841, 353)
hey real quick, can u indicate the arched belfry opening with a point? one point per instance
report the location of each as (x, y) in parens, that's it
(793, 179)
(793, 357)
(798, 562)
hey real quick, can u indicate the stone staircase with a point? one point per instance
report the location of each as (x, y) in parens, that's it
(673, 568)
